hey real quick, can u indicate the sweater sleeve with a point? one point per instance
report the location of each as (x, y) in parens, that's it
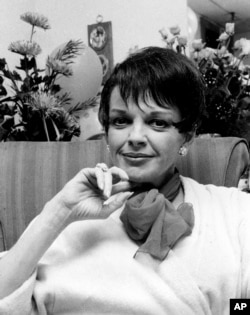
(244, 237)
(20, 301)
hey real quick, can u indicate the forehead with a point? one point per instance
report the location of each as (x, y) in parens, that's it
(147, 106)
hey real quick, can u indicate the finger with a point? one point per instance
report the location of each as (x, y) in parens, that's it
(111, 176)
(99, 178)
(96, 174)
(105, 178)
(108, 178)
(121, 186)
(118, 173)
(116, 203)
(88, 176)
(100, 170)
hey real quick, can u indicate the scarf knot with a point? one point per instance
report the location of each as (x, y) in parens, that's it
(151, 220)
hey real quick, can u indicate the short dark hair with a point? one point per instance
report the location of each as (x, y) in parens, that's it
(165, 76)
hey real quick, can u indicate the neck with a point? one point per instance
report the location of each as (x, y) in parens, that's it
(165, 177)
(171, 188)
(179, 199)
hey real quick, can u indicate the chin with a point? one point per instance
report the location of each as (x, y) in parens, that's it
(139, 174)
(136, 177)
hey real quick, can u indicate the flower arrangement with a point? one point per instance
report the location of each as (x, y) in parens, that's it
(33, 110)
(227, 80)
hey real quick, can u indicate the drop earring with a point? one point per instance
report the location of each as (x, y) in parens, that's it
(108, 148)
(183, 151)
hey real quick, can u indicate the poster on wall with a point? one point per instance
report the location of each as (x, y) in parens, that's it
(100, 39)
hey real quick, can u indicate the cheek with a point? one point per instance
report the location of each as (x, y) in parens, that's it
(168, 146)
(115, 140)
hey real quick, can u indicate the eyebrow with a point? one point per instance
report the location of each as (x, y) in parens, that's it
(153, 113)
(119, 111)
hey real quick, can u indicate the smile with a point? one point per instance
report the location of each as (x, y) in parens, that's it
(136, 155)
(136, 159)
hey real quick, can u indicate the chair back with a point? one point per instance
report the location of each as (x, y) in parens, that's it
(31, 173)
(216, 160)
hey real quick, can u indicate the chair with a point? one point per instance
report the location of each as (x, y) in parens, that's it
(31, 173)
(216, 160)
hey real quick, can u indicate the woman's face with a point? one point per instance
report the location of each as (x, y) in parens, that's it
(142, 140)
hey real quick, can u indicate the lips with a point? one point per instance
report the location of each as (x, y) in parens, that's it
(136, 155)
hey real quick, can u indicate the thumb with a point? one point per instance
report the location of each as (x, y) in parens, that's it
(116, 202)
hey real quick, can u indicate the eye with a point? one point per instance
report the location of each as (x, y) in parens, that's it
(119, 122)
(159, 124)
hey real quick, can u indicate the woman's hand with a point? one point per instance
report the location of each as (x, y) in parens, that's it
(87, 195)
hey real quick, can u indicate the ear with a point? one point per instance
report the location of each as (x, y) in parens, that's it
(188, 139)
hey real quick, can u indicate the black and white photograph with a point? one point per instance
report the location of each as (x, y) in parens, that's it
(124, 157)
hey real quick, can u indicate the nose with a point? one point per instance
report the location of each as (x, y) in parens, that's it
(137, 136)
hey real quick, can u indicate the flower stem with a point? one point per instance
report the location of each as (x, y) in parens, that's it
(12, 79)
(45, 128)
(56, 130)
(240, 61)
(26, 68)
(32, 33)
(228, 42)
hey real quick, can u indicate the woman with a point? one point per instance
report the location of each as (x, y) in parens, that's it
(163, 244)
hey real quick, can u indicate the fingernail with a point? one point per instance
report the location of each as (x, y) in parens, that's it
(106, 194)
(128, 195)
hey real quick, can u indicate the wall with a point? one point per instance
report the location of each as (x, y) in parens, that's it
(194, 31)
(135, 22)
(197, 25)
(242, 35)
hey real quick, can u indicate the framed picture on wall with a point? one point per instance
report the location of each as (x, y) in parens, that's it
(100, 39)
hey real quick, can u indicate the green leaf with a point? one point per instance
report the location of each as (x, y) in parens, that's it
(26, 64)
(7, 74)
(5, 109)
(32, 63)
(27, 84)
(38, 80)
(55, 88)
(3, 133)
(244, 103)
(2, 64)
(16, 76)
(70, 51)
(3, 90)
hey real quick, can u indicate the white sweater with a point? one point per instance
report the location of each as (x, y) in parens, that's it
(90, 268)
